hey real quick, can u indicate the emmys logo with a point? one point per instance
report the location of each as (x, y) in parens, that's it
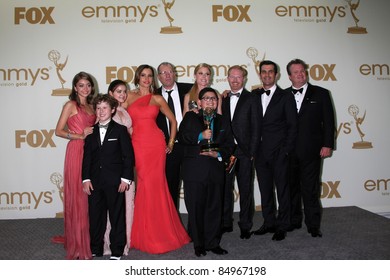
(54, 56)
(252, 53)
(56, 179)
(381, 71)
(119, 14)
(317, 14)
(353, 110)
(170, 29)
(355, 29)
(378, 185)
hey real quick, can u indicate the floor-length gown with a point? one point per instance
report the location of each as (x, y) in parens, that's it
(122, 117)
(76, 223)
(156, 225)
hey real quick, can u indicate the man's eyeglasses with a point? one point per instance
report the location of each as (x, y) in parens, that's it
(165, 73)
(208, 98)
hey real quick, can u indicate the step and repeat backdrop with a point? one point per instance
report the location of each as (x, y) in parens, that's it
(45, 43)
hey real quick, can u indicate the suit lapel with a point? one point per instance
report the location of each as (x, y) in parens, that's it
(108, 132)
(306, 99)
(274, 100)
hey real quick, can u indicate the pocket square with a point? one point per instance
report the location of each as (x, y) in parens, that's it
(112, 139)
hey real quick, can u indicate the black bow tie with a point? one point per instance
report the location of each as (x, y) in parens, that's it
(237, 94)
(103, 125)
(297, 90)
(267, 92)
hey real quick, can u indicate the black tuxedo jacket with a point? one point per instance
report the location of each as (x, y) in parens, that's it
(278, 125)
(197, 167)
(245, 123)
(107, 163)
(183, 88)
(316, 122)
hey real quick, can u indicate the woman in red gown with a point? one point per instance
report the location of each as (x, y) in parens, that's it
(156, 224)
(75, 123)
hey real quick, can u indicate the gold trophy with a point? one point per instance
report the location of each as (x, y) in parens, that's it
(355, 29)
(170, 29)
(353, 110)
(56, 179)
(252, 53)
(208, 116)
(54, 56)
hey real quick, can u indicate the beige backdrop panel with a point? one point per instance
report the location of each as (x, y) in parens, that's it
(53, 40)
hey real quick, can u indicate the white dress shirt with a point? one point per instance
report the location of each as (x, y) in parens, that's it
(176, 103)
(300, 96)
(265, 99)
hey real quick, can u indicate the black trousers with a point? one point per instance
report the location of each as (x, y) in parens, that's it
(244, 172)
(174, 161)
(204, 206)
(305, 186)
(101, 200)
(273, 175)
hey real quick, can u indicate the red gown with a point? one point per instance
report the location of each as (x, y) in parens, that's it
(76, 223)
(156, 224)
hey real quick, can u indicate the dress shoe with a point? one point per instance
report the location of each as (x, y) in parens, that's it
(315, 232)
(96, 255)
(245, 234)
(200, 251)
(115, 258)
(294, 226)
(219, 251)
(279, 235)
(227, 229)
(263, 230)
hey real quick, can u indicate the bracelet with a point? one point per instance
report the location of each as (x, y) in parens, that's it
(171, 142)
(68, 136)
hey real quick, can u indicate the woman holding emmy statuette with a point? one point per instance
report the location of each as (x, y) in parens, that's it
(208, 144)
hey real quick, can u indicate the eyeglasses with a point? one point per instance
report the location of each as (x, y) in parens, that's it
(165, 73)
(208, 98)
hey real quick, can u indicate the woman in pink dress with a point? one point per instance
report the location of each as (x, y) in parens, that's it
(156, 225)
(118, 90)
(75, 123)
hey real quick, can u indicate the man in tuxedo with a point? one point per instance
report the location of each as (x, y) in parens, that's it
(242, 110)
(204, 173)
(173, 92)
(315, 141)
(278, 133)
(107, 172)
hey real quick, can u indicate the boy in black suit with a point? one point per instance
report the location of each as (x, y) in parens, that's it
(107, 173)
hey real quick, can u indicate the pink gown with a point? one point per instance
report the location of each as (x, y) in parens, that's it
(156, 225)
(76, 223)
(122, 117)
